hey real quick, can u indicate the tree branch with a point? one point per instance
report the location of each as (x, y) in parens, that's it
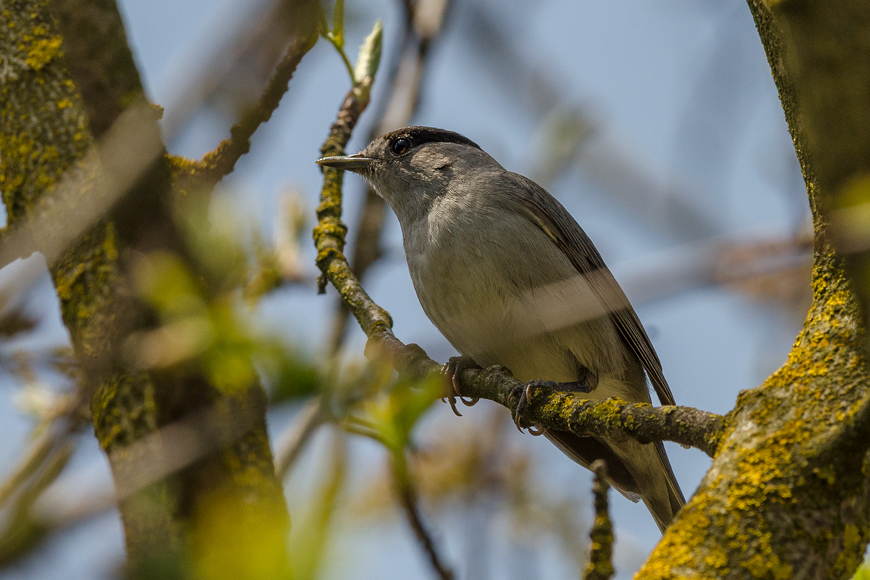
(408, 499)
(292, 441)
(601, 555)
(220, 162)
(555, 409)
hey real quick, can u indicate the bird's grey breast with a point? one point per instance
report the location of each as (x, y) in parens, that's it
(501, 292)
(455, 266)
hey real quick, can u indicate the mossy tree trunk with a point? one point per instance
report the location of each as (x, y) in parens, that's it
(50, 117)
(788, 494)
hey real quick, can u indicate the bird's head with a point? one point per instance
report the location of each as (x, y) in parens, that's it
(411, 167)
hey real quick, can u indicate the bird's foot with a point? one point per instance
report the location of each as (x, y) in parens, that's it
(451, 372)
(521, 396)
(585, 383)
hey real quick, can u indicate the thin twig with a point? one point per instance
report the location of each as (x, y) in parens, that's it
(54, 439)
(295, 437)
(408, 498)
(23, 527)
(220, 162)
(22, 531)
(315, 525)
(47, 445)
(601, 554)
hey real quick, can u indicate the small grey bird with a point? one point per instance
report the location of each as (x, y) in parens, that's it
(510, 278)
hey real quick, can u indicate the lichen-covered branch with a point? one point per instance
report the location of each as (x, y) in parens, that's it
(601, 554)
(99, 59)
(220, 162)
(548, 406)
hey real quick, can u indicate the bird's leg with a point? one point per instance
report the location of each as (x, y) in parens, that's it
(585, 383)
(451, 372)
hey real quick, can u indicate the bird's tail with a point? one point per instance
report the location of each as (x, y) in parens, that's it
(637, 471)
(663, 505)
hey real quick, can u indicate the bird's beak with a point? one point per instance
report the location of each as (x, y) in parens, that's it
(347, 162)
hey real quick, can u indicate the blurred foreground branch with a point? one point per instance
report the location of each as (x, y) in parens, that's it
(221, 161)
(409, 499)
(293, 440)
(111, 215)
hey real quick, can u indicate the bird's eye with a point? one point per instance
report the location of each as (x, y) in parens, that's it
(401, 145)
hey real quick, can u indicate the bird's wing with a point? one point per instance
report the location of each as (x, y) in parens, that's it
(531, 200)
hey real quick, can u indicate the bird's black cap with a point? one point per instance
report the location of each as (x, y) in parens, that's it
(420, 135)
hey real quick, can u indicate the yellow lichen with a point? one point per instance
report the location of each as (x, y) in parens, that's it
(717, 558)
(42, 51)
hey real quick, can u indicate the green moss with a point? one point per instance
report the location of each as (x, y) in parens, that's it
(124, 410)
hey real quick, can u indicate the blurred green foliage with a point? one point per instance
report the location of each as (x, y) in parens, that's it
(863, 572)
(208, 326)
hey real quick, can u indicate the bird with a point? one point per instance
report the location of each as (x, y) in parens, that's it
(509, 277)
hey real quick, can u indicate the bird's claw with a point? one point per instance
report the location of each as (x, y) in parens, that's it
(451, 372)
(521, 396)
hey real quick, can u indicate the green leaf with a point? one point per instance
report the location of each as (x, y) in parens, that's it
(369, 54)
(338, 23)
